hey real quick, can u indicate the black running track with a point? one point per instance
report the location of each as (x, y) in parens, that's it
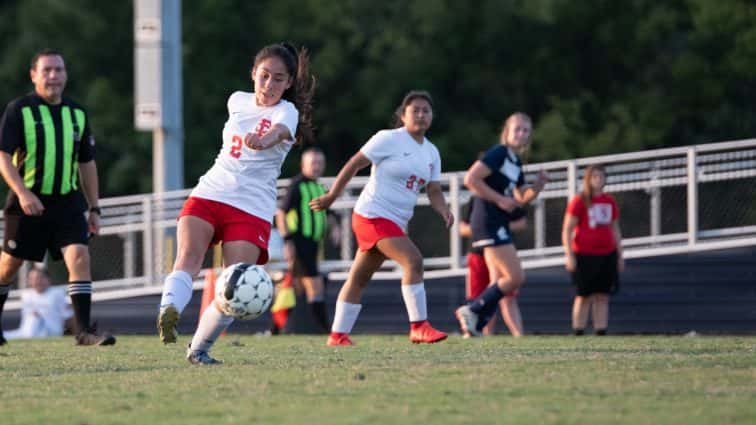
(709, 293)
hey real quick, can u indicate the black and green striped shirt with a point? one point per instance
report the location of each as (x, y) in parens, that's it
(301, 221)
(46, 143)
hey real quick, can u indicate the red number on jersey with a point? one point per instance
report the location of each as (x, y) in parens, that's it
(411, 182)
(236, 145)
(262, 127)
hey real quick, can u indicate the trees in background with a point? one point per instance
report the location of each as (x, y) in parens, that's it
(597, 76)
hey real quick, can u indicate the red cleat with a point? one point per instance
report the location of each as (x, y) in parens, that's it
(338, 339)
(424, 333)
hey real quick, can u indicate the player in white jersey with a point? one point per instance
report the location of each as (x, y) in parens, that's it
(403, 162)
(235, 201)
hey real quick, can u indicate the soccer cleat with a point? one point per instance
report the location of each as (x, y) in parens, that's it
(91, 338)
(468, 321)
(3, 341)
(200, 357)
(166, 324)
(424, 333)
(339, 339)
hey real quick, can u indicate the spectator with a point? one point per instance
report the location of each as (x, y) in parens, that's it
(44, 309)
(593, 251)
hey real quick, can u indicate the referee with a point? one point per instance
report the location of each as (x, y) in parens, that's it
(47, 160)
(303, 230)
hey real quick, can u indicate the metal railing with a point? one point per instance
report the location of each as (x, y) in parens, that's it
(671, 201)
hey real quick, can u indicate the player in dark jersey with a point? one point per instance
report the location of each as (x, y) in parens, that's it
(499, 183)
(478, 277)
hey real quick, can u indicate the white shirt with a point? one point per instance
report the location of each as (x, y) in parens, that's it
(401, 167)
(42, 315)
(242, 177)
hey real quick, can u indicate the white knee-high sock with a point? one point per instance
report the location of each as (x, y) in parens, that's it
(345, 316)
(177, 290)
(414, 299)
(211, 325)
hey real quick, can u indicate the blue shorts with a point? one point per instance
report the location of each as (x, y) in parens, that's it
(492, 234)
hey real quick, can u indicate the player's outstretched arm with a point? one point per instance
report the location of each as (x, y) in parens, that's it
(276, 135)
(355, 164)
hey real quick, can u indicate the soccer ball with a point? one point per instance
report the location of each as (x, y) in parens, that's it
(244, 291)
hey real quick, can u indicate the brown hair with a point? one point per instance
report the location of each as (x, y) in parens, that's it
(43, 52)
(408, 98)
(302, 88)
(587, 192)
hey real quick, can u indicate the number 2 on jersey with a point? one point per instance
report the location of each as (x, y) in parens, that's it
(236, 145)
(411, 183)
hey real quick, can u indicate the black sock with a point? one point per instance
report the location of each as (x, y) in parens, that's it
(578, 332)
(3, 296)
(485, 305)
(81, 298)
(601, 332)
(318, 310)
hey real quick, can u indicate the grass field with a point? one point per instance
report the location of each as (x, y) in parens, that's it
(384, 380)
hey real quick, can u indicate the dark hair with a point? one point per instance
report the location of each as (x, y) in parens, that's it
(43, 52)
(408, 98)
(587, 192)
(302, 89)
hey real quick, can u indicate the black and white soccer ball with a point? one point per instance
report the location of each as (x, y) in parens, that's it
(244, 291)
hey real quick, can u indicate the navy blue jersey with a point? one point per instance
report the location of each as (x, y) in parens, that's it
(506, 174)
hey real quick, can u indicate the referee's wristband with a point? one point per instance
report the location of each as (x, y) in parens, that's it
(96, 210)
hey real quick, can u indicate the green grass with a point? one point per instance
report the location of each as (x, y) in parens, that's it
(384, 380)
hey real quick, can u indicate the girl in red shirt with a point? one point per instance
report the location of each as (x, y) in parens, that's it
(593, 251)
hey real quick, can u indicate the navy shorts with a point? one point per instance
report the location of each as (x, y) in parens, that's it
(492, 234)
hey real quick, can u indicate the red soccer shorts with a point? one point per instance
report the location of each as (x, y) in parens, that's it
(230, 224)
(370, 230)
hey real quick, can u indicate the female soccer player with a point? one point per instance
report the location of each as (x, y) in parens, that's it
(497, 179)
(593, 250)
(403, 162)
(477, 271)
(235, 200)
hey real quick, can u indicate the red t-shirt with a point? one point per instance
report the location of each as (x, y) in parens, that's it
(593, 234)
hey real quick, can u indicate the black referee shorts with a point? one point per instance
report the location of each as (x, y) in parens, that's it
(596, 274)
(306, 261)
(27, 237)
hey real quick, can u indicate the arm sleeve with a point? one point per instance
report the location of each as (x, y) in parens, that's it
(575, 207)
(10, 129)
(291, 197)
(436, 170)
(494, 157)
(288, 116)
(378, 148)
(87, 146)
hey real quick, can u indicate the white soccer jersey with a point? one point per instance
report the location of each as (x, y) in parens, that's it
(401, 167)
(242, 177)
